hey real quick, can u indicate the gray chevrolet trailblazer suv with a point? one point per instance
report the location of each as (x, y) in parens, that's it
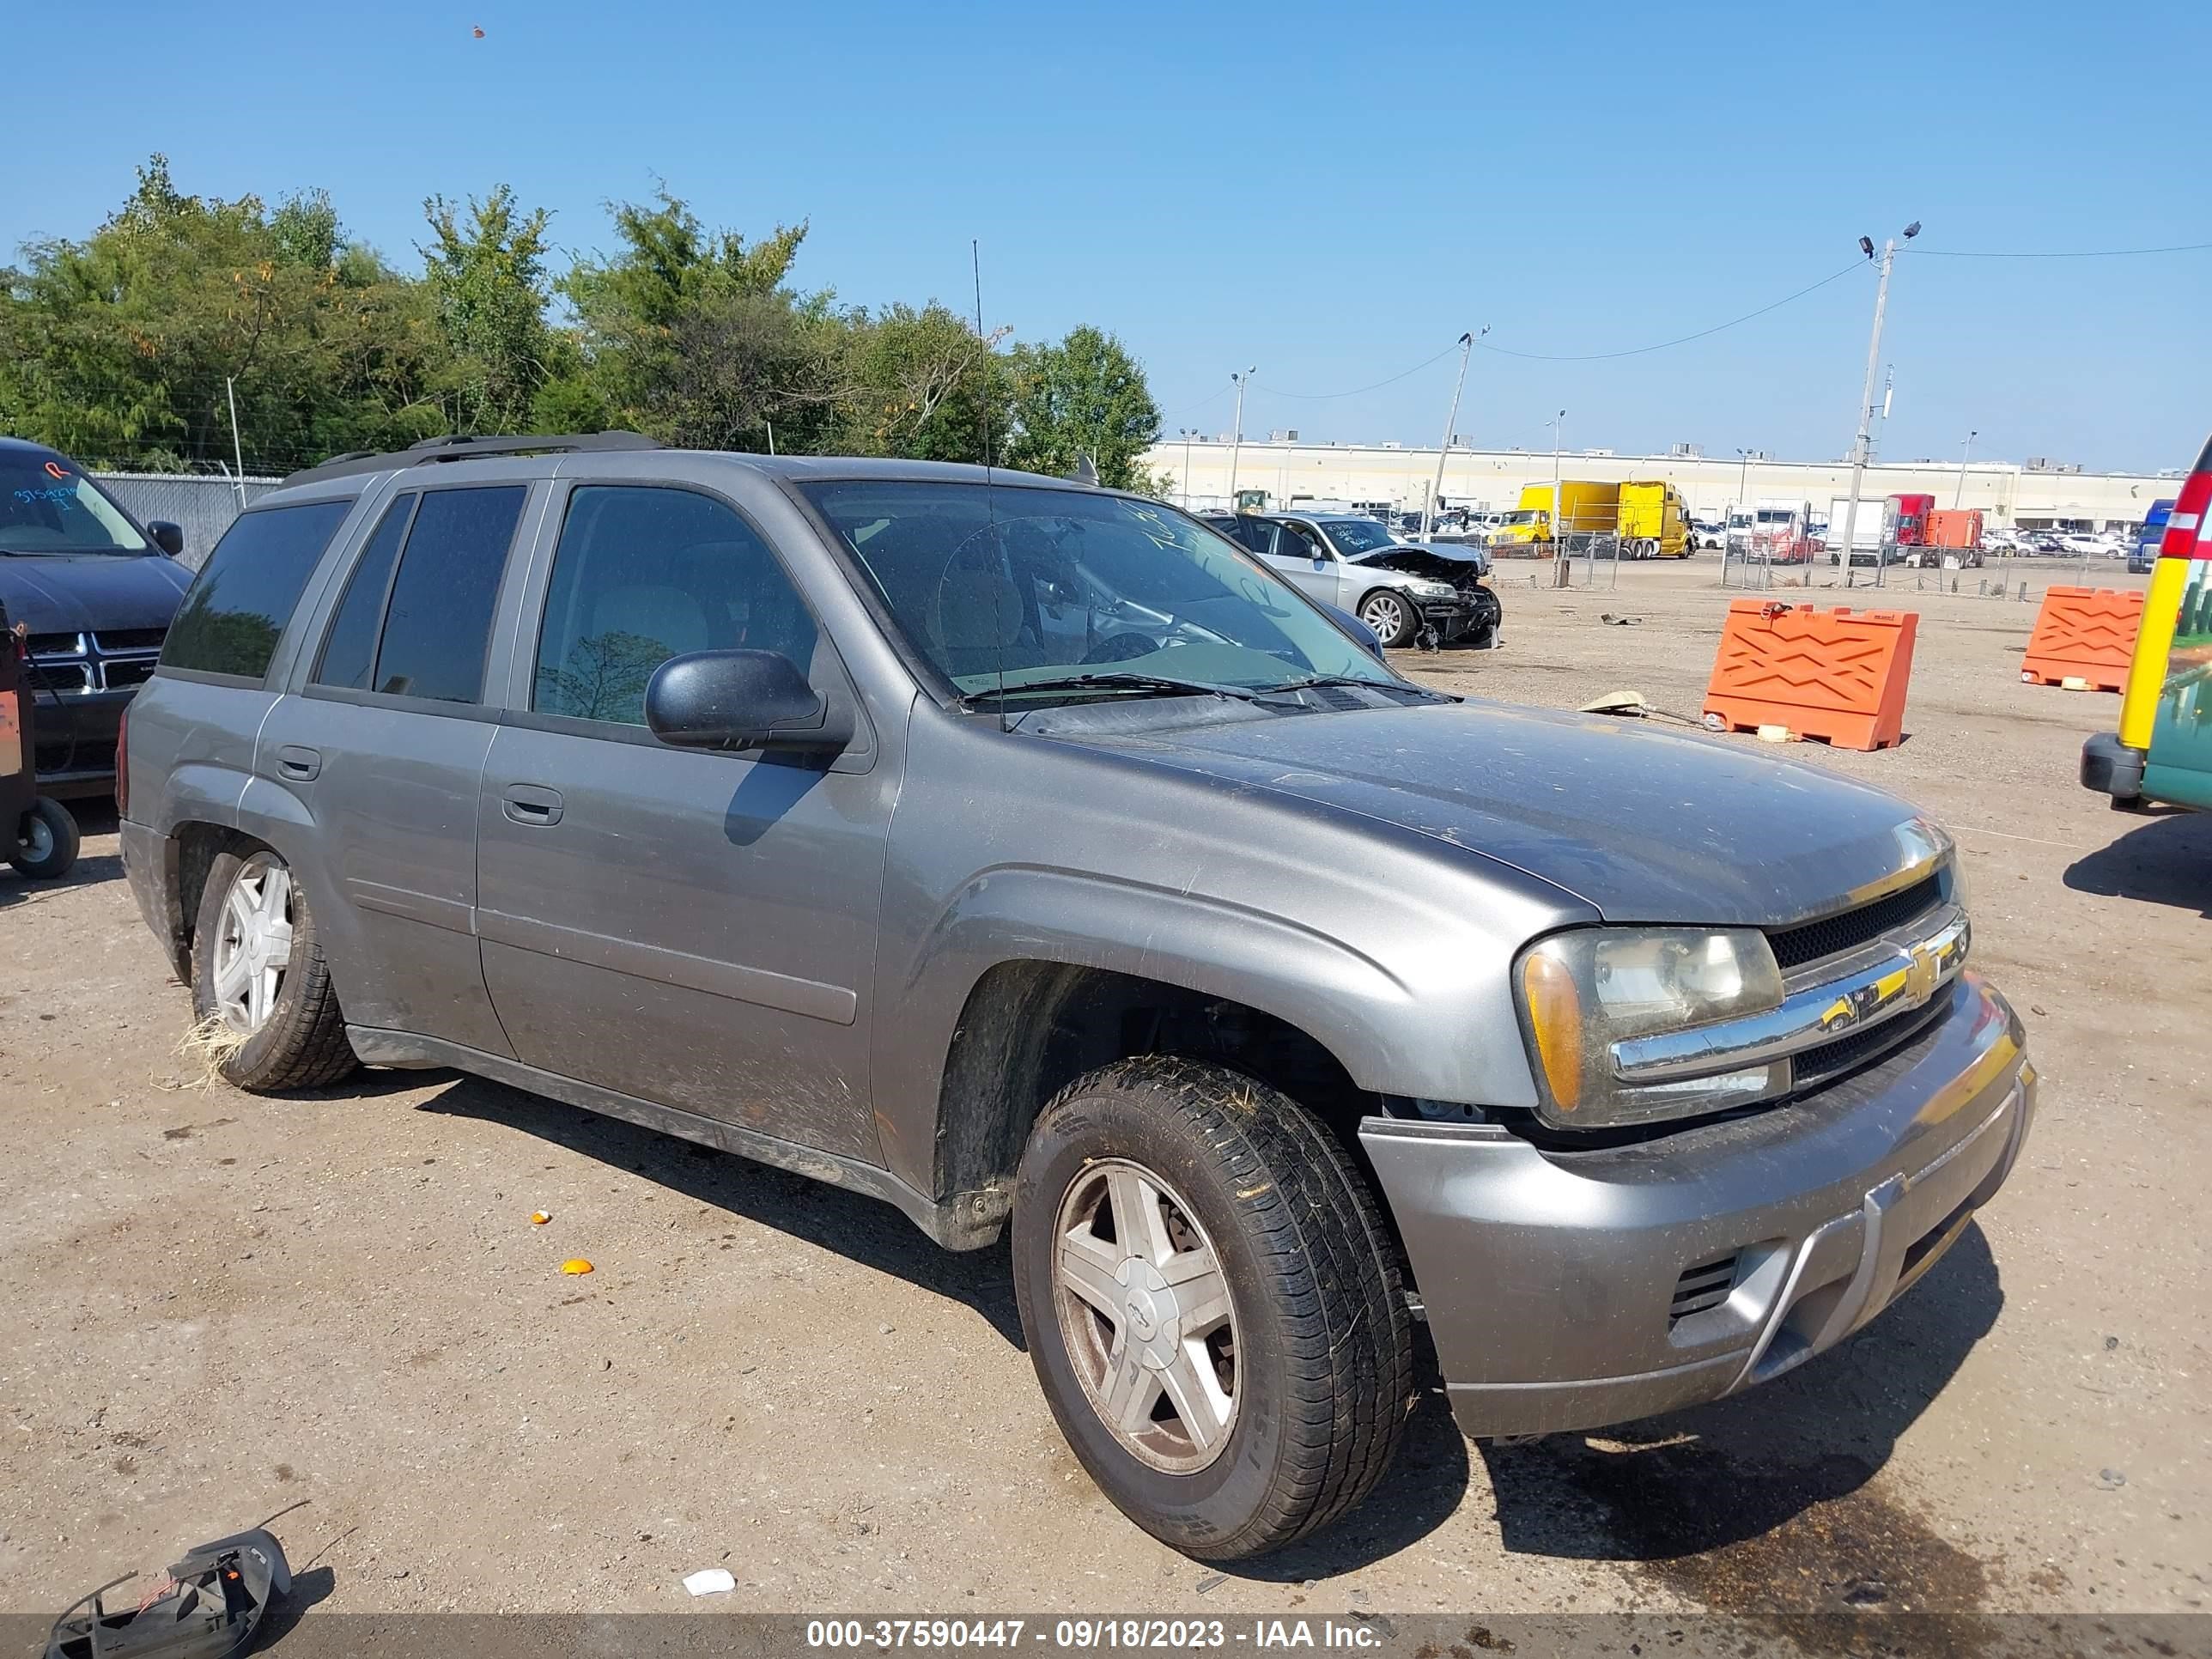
(1031, 857)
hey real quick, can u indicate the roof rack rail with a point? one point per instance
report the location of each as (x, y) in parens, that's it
(430, 450)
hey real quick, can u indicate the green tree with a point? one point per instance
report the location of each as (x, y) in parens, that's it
(1084, 395)
(118, 348)
(921, 385)
(690, 335)
(486, 272)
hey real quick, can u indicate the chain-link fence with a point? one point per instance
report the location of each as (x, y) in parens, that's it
(202, 507)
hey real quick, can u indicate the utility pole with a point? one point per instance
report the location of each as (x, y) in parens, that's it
(1866, 396)
(237, 450)
(1964, 450)
(1236, 431)
(1559, 542)
(1188, 433)
(1436, 495)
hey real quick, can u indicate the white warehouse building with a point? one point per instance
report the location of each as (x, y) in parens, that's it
(2034, 495)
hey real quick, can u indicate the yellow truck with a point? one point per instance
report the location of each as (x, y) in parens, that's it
(1652, 522)
(1590, 509)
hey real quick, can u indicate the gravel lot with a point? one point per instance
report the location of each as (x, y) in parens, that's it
(221, 1305)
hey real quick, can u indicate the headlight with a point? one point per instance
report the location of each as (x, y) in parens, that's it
(1427, 590)
(1582, 992)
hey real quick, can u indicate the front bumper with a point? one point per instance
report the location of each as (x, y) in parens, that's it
(2110, 767)
(1571, 1290)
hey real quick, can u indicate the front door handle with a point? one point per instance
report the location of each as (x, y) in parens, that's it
(531, 805)
(300, 765)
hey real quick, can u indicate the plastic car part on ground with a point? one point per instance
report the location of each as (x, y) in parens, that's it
(208, 1606)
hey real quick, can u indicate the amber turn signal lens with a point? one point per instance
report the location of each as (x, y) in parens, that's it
(1555, 1018)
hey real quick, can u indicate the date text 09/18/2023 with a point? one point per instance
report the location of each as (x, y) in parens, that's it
(1091, 1634)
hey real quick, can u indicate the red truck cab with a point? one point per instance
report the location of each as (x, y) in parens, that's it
(1909, 515)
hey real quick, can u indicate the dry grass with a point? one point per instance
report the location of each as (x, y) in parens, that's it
(206, 1046)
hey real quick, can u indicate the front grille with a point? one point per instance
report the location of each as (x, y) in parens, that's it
(1833, 935)
(1813, 1067)
(56, 645)
(121, 676)
(1706, 1285)
(63, 678)
(109, 640)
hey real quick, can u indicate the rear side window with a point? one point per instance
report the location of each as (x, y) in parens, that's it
(437, 624)
(230, 621)
(350, 649)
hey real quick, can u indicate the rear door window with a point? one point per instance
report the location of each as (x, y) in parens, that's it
(349, 648)
(231, 620)
(437, 623)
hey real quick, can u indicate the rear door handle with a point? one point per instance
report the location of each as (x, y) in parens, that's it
(531, 805)
(302, 765)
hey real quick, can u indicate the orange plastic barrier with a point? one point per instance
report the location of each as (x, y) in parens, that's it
(1835, 675)
(2084, 638)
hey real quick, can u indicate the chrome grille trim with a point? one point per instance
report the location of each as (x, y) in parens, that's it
(1893, 975)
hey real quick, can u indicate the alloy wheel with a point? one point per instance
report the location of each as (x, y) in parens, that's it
(1150, 1324)
(254, 947)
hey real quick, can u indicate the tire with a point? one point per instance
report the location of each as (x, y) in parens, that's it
(1395, 619)
(45, 841)
(295, 1034)
(1305, 1412)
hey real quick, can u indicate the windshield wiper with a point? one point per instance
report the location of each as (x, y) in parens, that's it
(1313, 680)
(1155, 685)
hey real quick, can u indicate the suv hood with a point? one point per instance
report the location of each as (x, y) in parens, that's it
(1644, 826)
(63, 594)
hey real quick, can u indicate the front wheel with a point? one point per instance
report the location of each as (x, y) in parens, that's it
(1395, 619)
(260, 987)
(1211, 1302)
(45, 841)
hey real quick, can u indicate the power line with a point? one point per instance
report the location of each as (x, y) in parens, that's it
(1325, 397)
(1684, 339)
(2063, 253)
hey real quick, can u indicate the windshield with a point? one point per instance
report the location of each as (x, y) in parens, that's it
(47, 506)
(1035, 585)
(1776, 515)
(1353, 536)
(1527, 515)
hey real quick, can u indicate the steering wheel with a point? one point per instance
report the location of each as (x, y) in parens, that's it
(1120, 647)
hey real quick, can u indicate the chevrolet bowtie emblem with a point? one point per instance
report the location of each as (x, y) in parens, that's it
(1920, 976)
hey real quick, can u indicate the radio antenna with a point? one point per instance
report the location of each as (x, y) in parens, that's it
(990, 506)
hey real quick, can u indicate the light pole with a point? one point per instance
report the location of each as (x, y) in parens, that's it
(1189, 433)
(1742, 494)
(1866, 396)
(1436, 494)
(1964, 450)
(1236, 431)
(1558, 544)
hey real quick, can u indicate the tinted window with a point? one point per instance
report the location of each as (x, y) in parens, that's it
(239, 604)
(350, 650)
(643, 575)
(437, 628)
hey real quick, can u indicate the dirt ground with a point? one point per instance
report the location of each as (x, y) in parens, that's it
(219, 1306)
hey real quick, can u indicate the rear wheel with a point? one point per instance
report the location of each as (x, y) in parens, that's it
(1211, 1302)
(1394, 618)
(260, 987)
(45, 841)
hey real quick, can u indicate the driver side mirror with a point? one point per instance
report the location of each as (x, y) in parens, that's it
(169, 538)
(741, 700)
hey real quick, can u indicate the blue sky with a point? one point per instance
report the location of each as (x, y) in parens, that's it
(1331, 193)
